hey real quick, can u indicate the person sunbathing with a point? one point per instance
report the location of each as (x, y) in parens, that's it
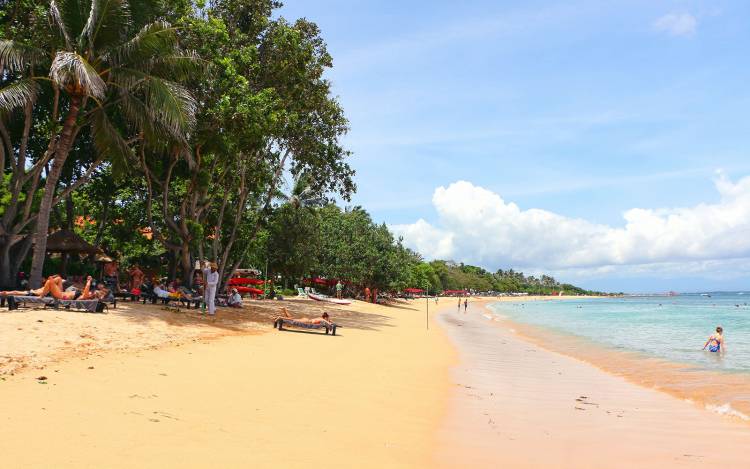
(323, 320)
(160, 291)
(54, 287)
(32, 292)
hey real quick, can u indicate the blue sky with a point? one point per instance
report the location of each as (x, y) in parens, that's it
(580, 109)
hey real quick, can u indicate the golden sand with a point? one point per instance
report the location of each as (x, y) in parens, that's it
(369, 397)
(148, 388)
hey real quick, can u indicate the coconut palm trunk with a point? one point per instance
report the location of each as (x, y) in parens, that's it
(42, 224)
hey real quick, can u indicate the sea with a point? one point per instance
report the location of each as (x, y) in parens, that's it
(656, 341)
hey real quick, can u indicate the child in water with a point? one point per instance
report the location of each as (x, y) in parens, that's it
(716, 341)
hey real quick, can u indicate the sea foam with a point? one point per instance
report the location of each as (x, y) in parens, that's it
(726, 409)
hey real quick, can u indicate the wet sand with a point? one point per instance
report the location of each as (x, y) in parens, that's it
(516, 404)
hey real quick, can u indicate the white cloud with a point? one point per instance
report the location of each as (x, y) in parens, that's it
(677, 24)
(478, 226)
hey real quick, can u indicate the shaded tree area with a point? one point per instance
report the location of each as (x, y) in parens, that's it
(160, 131)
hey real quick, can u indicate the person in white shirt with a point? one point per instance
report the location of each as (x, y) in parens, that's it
(160, 292)
(235, 300)
(211, 279)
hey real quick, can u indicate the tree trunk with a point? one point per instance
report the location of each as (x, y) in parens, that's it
(6, 276)
(186, 264)
(172, 267)
(50, 185)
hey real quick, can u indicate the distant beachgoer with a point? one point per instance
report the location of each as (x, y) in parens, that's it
(111, 276)
(160, 291)
(715, 343)
(136, 277)
(367, 294)
(339, 289)
(466, 304)
(235, 300)
(324, 319)
(459, 304)
(211, 277)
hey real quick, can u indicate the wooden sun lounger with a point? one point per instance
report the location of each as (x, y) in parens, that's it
(280, 323)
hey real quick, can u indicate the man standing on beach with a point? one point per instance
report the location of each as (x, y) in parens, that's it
(466, 304)
(459, 304)
(339, 288)
(211, 279)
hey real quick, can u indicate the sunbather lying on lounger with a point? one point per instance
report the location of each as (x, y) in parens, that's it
(38, 292)
(54, 287)
(324, 320)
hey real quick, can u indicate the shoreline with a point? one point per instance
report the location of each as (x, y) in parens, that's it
(517, 404)
(710, 390)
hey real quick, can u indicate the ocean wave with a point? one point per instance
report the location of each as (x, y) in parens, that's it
(726, 409)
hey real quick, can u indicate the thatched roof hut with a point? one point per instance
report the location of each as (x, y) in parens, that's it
(66, 241)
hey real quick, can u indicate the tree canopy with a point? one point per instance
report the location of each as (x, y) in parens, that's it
(168, 132)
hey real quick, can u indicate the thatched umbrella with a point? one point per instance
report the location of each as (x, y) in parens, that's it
(67, 242)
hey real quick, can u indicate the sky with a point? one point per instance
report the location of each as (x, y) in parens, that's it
(604, 142)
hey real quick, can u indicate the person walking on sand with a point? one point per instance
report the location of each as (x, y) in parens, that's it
(715, 343)
(211, 279)
(459, 304)
(466, 305)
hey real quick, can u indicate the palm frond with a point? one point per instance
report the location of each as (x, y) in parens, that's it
(153, 40)
(135, 112)
(108, 140)
(58, 22)
(105, 22)
(127, 78)
(17, 56)
(88, 32)
(178, 66)
(138, 115)
(171, 105)
(18, 94)
(70, 70)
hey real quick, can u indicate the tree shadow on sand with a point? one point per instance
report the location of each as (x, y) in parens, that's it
(254, 316)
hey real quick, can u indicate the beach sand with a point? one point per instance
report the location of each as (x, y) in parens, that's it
(148, 388)
(516, 404)
(143, 387)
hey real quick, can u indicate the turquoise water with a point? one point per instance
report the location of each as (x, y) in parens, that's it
(672, 328)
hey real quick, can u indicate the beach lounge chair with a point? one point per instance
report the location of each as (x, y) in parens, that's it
(91, 306)
(15, 301)
(191, 300)
(281, 322)
(301, 293)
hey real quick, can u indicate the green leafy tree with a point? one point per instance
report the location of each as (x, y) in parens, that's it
(99, 66)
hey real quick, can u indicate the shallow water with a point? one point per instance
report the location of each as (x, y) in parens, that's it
(655, 341)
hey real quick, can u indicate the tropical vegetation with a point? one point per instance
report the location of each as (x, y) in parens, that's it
(167, 132)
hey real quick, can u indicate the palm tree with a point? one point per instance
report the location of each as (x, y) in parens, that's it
(303, 194)
(106, 76)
